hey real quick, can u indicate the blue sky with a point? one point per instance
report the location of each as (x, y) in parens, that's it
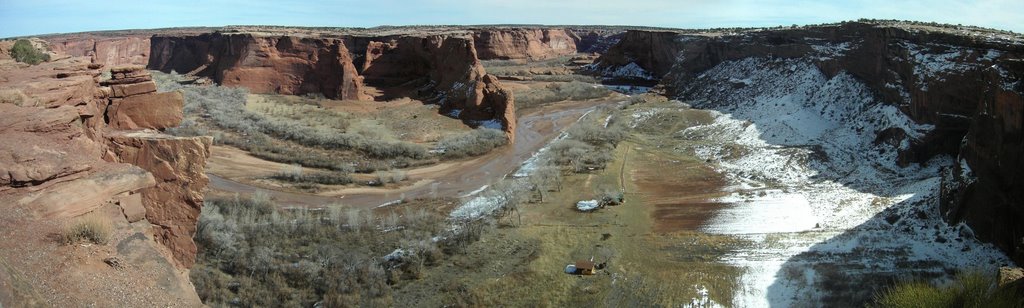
(31, 17)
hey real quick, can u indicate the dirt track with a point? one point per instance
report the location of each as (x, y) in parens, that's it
(535, 128)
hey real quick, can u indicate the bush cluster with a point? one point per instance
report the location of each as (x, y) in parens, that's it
(476, 142)
(224, 108)
(251, 254)
(390, 176)
(588, 145)
(324, 178)
(24, 52)
(556, 92)
(93, 228)
(969, 289)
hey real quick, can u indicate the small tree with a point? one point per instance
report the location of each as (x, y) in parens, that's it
(508, 192)
(24, 52)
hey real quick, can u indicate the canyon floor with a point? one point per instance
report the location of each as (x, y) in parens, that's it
(716, 213)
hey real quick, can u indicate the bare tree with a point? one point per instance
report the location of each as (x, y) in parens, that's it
(509, 192)
(545, 179)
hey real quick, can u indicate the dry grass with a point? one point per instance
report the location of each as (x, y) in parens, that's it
(90, 228)
(969, 289)
(15, 97)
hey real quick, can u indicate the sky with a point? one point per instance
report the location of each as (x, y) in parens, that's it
(33, 17)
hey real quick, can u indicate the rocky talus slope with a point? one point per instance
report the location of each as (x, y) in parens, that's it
(75, 147)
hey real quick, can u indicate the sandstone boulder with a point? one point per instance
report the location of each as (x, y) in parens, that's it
(131, 207)
(38, 145)
(151, 110)
(125, 90)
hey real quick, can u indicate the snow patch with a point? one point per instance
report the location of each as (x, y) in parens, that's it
(631, 70)
(492, 123)
(586, 205)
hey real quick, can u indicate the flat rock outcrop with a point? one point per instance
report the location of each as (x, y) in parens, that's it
(76, 145)
(134, 103)
(524, 43)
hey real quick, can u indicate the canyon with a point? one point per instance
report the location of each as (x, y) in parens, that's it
(965, 86)
(899, 119)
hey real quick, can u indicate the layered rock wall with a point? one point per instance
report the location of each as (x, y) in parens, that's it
(534, 44)
(443, 68)
(263, 64)
(109, 51)
(449, 72)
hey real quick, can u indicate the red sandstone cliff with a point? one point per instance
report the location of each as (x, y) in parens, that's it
(72, 146)
(263, 64)
(535, 44)
(448, 70)
(109, 51)
(444, 68)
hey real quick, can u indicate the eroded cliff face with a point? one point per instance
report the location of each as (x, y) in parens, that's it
(75, 146)
(968, 87)
(535, 44)
(443, 68)
(446, 70)
(109, 51)
(653, 52)
(596, 40)
(263, 64)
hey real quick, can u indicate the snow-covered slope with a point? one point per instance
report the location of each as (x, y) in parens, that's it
(816, 189)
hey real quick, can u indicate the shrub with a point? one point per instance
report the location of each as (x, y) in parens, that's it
(390, 176)
(14, 96)
(968, 289)
(579, 155)
(24, 52)
(597, 135)
(253, 254)
(224, 107)
(473, 143)
(325, 178)
(93, 228)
